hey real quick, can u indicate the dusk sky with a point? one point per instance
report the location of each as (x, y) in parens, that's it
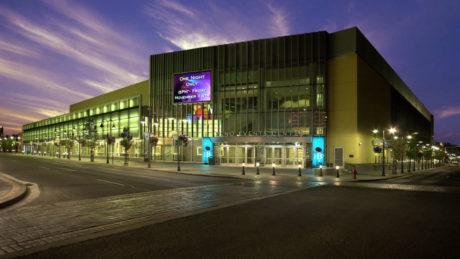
(55, 53)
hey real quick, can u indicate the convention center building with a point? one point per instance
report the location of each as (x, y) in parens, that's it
(309, 99)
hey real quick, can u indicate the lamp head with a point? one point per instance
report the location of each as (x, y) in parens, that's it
(392, 130)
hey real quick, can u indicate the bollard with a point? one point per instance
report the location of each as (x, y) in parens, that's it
(300, 172)
(355, 172)
(243, 171)
(273, 169)
(257, 168)
(321, 170)
(337, 169)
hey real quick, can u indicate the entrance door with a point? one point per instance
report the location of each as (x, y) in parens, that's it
(294, 156)
(278, 157)
(250, 155)
(235, 154)
(274, 154)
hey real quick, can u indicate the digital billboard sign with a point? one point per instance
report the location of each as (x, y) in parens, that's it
(192, 87)
(317, 157)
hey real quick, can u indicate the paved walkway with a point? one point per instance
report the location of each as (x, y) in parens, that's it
(36, 227)
(234, 171)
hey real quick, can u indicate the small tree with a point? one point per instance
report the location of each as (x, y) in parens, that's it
(68, 144)
(111, 141)
(399, 147)
(81, 143)
(411, 153)
(427, 155)
(440, 155)
(153, 141)
(420, 157)
(7, 144)
(57, 143)
(181, 141)
(126, 142)
(91, 136)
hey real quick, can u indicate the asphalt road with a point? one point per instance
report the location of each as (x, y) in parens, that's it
(329, 221)
(70, 180)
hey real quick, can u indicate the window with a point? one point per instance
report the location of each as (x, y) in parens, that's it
(320, 79)
(320, 131)
(320, 96)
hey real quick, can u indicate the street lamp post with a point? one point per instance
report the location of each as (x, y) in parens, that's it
(178, 154)
(66, 141)
(78, 140)
(107, 148)
(112, 139)
(58, 142)
(144, 149)
(394, 163)
(409, 137)
(149, 145)
(392, 131)
(420, 154)
(106, 142)
(38, 146)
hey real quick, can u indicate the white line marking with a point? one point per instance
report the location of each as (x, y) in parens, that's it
(110, 182)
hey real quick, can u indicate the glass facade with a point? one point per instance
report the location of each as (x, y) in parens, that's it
(273, 87)
(110, 119)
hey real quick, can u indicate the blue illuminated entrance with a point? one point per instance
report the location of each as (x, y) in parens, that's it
(207, 150)
(317, 144)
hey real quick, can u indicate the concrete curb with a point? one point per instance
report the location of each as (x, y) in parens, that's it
(18, 191)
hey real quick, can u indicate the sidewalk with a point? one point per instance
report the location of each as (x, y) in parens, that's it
(11, 190)
(32, 228)
(329, 174)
